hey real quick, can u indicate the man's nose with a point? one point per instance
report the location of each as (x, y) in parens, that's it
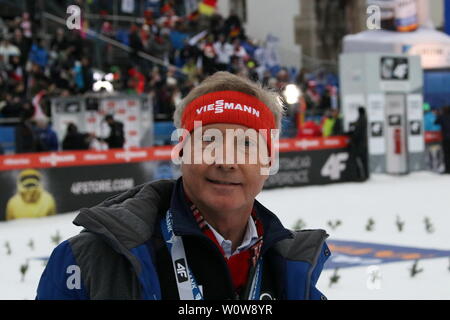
(226, 158)
(226, 166)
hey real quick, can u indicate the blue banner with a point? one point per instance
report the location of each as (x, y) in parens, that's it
(347, 254)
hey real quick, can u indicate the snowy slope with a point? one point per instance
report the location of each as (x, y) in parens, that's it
(382, 198)
(18, 233)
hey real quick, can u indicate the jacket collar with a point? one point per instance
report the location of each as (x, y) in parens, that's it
(127, 220)
(184, 222)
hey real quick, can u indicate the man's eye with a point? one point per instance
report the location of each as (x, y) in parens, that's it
(249, 143)
(208, 138)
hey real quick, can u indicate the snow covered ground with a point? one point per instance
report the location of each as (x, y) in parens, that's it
(412, 198)
(383, 198)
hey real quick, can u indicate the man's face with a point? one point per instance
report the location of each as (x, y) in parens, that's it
(224, 186)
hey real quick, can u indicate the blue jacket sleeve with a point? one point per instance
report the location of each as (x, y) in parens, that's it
(61, 279)
(316, 294)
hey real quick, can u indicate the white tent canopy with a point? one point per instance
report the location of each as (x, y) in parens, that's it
(433, 46)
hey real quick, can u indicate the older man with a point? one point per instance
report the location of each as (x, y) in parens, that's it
(203, 236)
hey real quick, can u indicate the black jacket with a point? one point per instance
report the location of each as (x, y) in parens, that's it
(444, 121)
(76, 141)
(358, 134)
(116, 137)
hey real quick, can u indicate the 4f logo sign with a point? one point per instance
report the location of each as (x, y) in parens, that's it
(393, 68)
(334, 166)
(180, 266)
(74, 20)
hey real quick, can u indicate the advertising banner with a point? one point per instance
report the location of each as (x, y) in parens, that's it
(414, 105)
(88, 114)
(375, 115)
(64, 189)
(314, 167)
(433, 55)
(42, 184)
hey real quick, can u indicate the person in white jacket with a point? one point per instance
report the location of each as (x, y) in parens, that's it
(224, 51)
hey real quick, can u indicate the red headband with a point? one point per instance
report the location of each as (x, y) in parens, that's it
(229, 107)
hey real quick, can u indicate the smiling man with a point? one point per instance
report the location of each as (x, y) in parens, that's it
(203, 236)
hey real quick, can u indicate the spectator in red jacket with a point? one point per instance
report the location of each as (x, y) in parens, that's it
(309, 129)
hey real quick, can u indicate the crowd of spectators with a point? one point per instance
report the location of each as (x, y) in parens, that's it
(34, 67)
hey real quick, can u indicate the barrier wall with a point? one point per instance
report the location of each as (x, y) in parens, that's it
(68, 181)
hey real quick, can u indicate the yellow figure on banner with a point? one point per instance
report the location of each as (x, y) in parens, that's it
(31, 199)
